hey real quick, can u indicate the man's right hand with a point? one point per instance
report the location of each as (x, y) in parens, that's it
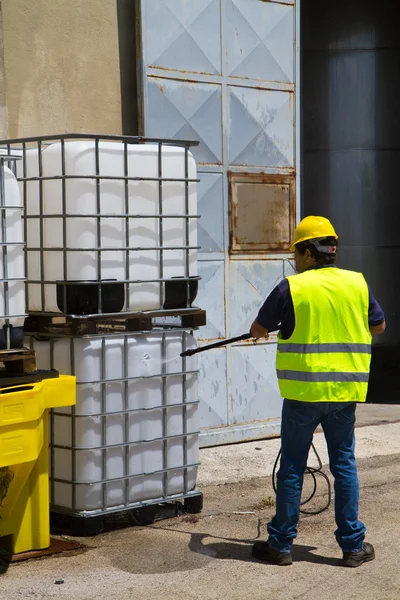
(258, 331)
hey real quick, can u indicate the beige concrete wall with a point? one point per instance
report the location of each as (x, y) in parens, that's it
(61, 67)
(3, 108)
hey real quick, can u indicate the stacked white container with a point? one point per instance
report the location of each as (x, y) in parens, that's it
(108, 211)
(12, 266)
(111, 227)
(133, 435)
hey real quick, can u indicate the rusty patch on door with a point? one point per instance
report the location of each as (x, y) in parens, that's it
(262, 212)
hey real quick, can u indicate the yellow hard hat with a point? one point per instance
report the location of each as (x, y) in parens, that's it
(311, 228)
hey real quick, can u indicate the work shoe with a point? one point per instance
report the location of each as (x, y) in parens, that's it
(355, 559)
(262, 551)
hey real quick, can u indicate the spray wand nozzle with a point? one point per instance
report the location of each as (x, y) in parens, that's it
(240, 338)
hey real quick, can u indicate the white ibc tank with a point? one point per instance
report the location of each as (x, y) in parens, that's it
(143, 453)
(84, 233)
(12, 266)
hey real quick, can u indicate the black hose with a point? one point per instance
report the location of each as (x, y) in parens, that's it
(310, 470)
(313, 472)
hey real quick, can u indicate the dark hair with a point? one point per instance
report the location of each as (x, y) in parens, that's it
(321, 258)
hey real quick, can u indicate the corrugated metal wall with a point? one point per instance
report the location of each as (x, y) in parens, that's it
(352, 152)
(223, 72)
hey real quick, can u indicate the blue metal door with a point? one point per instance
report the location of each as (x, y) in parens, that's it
(223, 72)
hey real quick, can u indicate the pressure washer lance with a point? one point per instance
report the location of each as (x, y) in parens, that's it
(240, 338)
(311, 470)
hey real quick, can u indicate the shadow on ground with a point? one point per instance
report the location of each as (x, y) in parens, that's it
(241, 550)
(168, 550)
(4, 564)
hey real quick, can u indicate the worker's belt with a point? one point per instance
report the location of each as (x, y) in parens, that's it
(323, 348)
(324, 376)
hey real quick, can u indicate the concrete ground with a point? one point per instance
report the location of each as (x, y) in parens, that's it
(208, 556)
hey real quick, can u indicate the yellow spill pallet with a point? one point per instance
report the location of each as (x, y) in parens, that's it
(24, 512)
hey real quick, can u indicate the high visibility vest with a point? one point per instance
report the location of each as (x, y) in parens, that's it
(327, 358)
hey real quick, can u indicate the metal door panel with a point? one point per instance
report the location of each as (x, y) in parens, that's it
(288, 267)
(250, 283)
(255, 33)
(222, 72)
(261, 127)
(213, 408)
(186, 110)
(211, 298)
(210, 202)
(252, 385)
(182, 35)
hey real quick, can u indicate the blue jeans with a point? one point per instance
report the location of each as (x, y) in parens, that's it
(299, 421)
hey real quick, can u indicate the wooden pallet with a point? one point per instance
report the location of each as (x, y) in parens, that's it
(20, 361)
(57, 546)
(72, 325)
(20, 368)
(86, 526)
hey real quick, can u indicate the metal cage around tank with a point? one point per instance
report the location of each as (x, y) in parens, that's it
(184, 286)
(161, 433)
(12, 276)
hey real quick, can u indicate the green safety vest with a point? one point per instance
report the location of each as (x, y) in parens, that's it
(328, 356)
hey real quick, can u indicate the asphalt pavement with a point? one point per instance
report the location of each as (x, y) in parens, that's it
(208, 556)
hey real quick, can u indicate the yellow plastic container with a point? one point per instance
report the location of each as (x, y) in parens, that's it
(24, 513)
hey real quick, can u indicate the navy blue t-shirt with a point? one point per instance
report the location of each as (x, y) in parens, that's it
(277, 312)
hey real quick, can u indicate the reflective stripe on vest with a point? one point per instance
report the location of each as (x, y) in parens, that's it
(328, 356)
(324, 348)
(304, 376)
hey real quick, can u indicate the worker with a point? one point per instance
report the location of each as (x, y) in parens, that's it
(325, 317)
